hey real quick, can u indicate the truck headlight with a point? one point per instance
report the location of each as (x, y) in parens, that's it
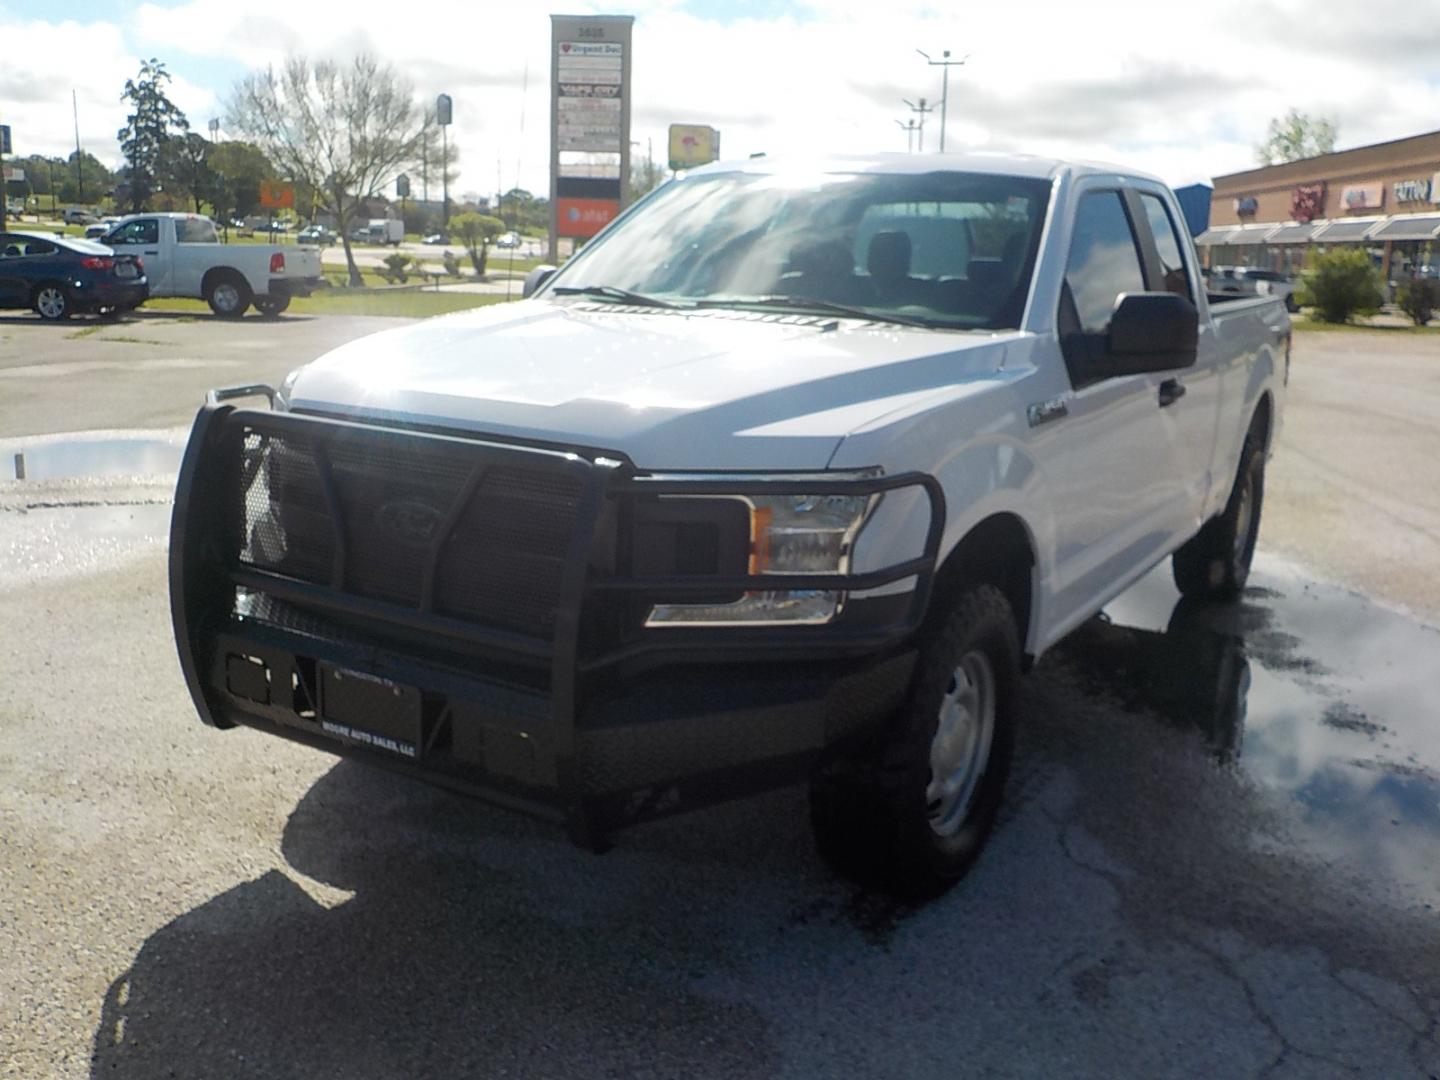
(789, 534)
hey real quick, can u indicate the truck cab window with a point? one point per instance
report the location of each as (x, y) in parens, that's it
(1104, 263)
(1167, 245)
(195, 231)
(144, 231)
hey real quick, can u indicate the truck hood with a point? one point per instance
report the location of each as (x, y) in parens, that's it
(708, 390)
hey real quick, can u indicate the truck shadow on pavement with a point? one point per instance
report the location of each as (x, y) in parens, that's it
(414, 933)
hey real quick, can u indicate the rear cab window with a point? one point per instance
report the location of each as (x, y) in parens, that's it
(195, 231)
(1175, 277)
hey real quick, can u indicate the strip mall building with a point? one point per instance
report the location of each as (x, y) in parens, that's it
(1384, 198)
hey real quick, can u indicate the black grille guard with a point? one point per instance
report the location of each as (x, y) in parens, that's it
(205, 569)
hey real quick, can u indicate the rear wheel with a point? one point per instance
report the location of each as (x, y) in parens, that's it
(228, 295)
(271, 305)
(1215, 563)
(910, 812)
(52, 302)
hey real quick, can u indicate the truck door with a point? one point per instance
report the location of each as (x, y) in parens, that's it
(1118, 489)
(189, 261)
(141, 237)
(1191, 419)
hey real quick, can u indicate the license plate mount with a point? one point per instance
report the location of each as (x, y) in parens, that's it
(126, 270)
(370, 711)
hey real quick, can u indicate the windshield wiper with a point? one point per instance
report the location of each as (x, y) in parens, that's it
(614, 292)
(802, 306)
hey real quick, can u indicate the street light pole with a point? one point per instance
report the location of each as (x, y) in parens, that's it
(909, 126)
(946, 63)
(921, 110)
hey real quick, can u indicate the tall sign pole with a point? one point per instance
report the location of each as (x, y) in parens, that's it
(443, 107)
(945, 63)
(920, 110)
(589, 124)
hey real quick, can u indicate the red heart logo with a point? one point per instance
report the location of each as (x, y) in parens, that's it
(564, 46)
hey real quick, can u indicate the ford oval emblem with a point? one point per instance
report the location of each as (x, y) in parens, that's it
(409, 520)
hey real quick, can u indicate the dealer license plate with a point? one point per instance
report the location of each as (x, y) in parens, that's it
(370, 711)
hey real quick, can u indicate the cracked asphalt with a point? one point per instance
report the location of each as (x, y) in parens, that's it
(1220, 856)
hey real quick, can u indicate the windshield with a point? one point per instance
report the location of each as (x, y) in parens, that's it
(943, 249)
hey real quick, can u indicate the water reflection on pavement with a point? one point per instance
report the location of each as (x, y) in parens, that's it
(1309, 691)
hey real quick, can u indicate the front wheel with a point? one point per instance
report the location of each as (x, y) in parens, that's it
(1214, 564)
(228, 296)
(52, 302)
(910, 812)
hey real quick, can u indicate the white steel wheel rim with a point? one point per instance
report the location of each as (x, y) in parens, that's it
(227, 297)
(51, 302)
(960, 750)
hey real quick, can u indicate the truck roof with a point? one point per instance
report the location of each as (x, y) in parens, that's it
(998, 164)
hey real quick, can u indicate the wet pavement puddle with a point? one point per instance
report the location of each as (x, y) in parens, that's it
(92, 455)
(1313, 693)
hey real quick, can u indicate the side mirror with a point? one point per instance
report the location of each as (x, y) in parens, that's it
(1152, 331)
(536, 278)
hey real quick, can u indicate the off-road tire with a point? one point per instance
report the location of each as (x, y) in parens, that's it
(869, 808)
(1214, 564)
(51, 301)
(228, 295)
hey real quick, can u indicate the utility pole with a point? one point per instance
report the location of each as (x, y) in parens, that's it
(79, 164)
(909, 126)
(921, 110)
(946, 63)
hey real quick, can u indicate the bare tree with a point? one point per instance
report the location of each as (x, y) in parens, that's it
(343, 131)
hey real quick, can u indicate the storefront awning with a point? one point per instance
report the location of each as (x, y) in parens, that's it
(1250, 235)
(1344, 230)
(1216, 237)
(1296, 232)
(1409, 227)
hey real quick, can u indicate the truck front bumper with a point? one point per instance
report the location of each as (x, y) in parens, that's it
(579, 724)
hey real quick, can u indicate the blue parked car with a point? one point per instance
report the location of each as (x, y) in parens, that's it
(58, 276)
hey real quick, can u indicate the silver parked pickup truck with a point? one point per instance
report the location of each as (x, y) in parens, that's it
(787, 475)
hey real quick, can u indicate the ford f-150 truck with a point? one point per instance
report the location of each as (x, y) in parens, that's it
(788, 474)
(184, 257)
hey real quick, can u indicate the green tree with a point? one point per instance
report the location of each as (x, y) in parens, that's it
(184, 168)
(342, 132)
(1340, 285)
(1296, 135)
(239, 169)
(147, 129)
(476, 231)
(524, 212)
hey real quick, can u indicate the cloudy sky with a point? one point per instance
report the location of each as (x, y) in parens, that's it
(1181, 90)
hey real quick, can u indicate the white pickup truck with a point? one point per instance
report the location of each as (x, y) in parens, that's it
(183, 256)
(789, 473)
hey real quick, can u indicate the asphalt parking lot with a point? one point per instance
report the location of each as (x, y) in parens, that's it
(1220, 857)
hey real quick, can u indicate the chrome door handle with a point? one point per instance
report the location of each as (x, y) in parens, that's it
(1171, 391)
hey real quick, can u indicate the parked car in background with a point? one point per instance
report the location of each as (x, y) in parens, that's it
(1271, 283)
(508, 240)
(100, 228)
(360, 234)
(59, 276)
(435, 239)
(316, 234)
(76, 215)
(184, 257)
